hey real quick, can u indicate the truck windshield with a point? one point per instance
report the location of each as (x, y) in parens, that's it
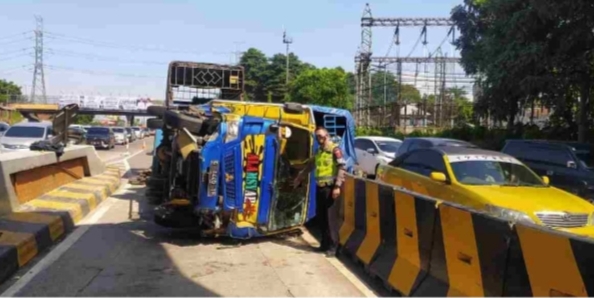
(289, 206)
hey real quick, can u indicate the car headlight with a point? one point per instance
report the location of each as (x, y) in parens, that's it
(232, 131)
(509, 214)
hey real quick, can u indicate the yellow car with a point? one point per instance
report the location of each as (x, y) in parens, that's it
(490, 181)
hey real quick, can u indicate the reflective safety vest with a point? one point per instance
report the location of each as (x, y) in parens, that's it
(326, 168)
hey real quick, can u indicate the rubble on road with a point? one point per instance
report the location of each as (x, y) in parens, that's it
(141, 178)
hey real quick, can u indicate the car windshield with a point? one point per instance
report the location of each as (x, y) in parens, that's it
(25, 132)
(98, 130)
(586, 158)
(136, 128)
(118, 130)
(388, 146)
(490, 172)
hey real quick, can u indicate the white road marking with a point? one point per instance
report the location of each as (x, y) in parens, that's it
(55, 253)
(125, 158)
(360, 285)
(82, 227)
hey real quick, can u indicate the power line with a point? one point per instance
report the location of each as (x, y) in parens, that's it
(15, 56)
(114, 45)
(100, 57)
(15, 35)
(14, 51)
(15, 41)
(91, 72)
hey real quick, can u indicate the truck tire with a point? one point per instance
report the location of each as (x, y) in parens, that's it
(179, 121)
(154, 123)
(293, 108)
(156, 111)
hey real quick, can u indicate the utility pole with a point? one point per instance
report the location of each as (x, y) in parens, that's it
(38, 73)
(238, 52)
(287, 41)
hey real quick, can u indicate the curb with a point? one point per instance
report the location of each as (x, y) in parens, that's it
(47, 219)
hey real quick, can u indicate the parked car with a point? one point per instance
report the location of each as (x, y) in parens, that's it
(410, 144)
(19, 137)
(120, 135)
(489, 181)
(569, 165)
(3, 127)
(101, 137)
(76, 135)
(131, 134)
(372, 151)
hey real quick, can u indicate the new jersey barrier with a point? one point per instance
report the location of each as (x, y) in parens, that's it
(421, 246)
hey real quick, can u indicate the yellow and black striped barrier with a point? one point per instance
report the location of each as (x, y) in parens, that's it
(421, 246)
(45, 220)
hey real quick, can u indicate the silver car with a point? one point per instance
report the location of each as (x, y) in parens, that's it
(20, 136)
(3, 127)
(120, 135)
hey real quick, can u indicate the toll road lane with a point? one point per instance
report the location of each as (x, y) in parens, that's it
(123, 253)
(120, 152)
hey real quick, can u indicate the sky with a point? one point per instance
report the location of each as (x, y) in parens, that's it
(123, 47)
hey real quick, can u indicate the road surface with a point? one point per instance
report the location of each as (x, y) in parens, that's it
(118, 251)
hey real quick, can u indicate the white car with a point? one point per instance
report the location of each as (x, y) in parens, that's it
(120, 135)
(372, 151)
(19, 137)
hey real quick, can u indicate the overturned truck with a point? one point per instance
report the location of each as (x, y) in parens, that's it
(226, 166)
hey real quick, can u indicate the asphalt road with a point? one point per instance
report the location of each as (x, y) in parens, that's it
(120, 152)
(119, 251)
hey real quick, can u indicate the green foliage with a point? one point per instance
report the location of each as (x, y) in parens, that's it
(529, 51)
(265, 78)
(8, 89)
(326, 87)
(84, 119)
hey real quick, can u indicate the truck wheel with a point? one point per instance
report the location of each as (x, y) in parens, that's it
(293, 108)
(154, 123)
(179, 121)
(156, 111)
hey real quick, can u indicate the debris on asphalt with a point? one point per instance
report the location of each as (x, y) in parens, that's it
(141, 178)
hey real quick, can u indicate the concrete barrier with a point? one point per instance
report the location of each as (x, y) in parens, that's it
(42, 200)
(26, 175)
(421, 246)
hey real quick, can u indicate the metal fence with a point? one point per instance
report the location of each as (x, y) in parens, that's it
(407, 117)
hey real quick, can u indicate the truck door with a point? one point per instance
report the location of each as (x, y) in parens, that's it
(290, 206)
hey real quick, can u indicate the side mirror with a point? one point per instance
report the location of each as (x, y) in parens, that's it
(371, 150)
(545, 180)
(438, 176)
(571, 164)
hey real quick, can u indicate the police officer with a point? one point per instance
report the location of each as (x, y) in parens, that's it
(329, 166)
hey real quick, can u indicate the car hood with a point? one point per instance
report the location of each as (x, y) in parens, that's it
(98, 136)
(391, 155)
(532, 199)
(19, 141)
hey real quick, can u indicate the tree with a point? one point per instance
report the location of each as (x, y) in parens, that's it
(255, 65)
(528, 50)
(326, 86)
(9, 91)
(84, 119)
(276, 75)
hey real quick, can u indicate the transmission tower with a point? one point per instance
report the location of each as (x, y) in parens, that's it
(364, 58)
(38, 73)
